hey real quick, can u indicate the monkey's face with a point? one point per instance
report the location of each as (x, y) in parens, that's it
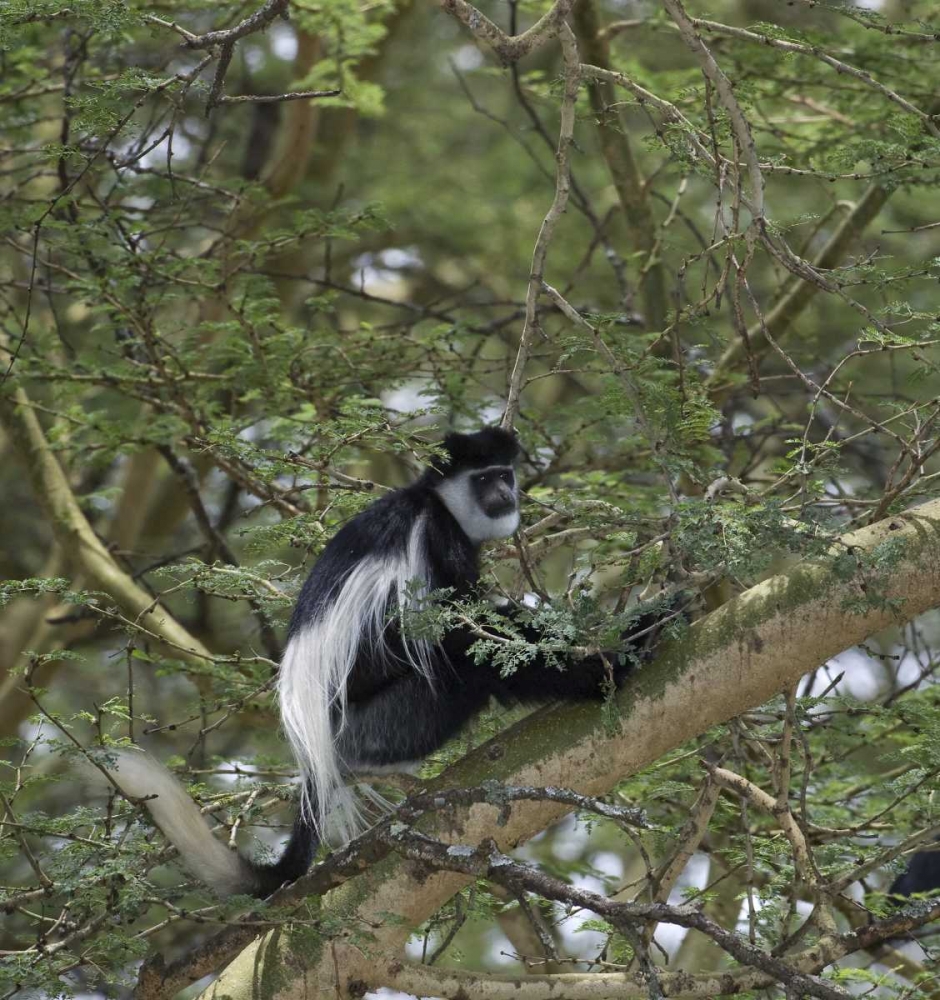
(484, 502)
(495, 490)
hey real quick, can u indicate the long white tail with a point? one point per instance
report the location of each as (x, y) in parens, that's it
(226, 872)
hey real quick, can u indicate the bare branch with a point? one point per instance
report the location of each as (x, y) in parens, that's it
(291, 95)
(739, 122)
(509, 48)
(258, 21)
(818, 53)
(562, 186)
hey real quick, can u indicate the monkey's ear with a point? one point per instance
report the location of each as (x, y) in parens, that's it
(452, 444)
(449, 462)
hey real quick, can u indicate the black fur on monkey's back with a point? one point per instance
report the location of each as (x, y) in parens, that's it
(396, 707)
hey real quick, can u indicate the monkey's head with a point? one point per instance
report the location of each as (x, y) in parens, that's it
(477, 482)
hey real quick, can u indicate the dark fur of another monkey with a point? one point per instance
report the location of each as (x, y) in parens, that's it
(922, 874)
(355, 692)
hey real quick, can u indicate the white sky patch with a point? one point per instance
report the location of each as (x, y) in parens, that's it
(414, 948)
(400, 257)
(855, 891)
(253, 56)
(233, 765)
(571, 839)
(741, 422)
(156, 157)
(382, 282)
(467, 57)
(609, 863)
(862, 678)
(803, 909)
(283, 41)
(386, 994)
(408, 398)
(589, 883)
(500, 950)
(492, 413)
(392, 258)
(380, 274)
(198, 126)
(695, 874)
(584, 944)
(139, 201)
(841, 487)
(30, 732)
(908, 669)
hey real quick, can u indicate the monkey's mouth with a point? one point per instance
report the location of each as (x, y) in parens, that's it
(500, 509)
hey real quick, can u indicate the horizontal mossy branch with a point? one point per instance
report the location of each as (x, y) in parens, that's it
(82, 552)
(734, 659)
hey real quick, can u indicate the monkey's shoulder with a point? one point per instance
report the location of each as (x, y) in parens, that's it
(382, 529)
(412, 518)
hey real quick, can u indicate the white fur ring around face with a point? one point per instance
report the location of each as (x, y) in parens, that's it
(477, 525)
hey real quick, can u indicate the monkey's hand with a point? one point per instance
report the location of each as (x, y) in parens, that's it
(642, 637)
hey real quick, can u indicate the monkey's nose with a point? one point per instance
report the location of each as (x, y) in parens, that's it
(501, 506)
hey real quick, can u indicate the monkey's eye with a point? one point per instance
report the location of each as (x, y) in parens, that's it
(481, 478)
(506, 477)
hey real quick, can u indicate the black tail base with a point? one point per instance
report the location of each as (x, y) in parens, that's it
(294, 862)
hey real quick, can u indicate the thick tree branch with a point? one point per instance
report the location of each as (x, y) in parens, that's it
(257, 21)
(484, 862)
(737, 657)
(423, 980)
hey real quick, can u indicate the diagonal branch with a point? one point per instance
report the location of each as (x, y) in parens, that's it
(815, 52)
(799, 293)
(739, 123)
(255, 22)
(735, 658)
(81, 547)
(422, 980)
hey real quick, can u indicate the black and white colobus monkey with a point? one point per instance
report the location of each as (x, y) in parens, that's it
(355, 693)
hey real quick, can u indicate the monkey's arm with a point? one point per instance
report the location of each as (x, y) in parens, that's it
(591, 677)
(404, 717)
